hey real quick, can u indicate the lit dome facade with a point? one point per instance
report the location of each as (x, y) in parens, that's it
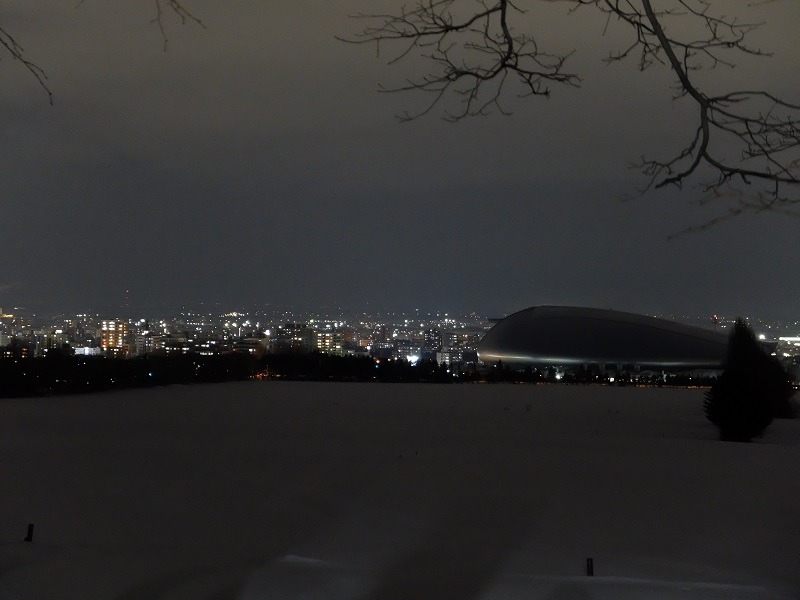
(571, 336)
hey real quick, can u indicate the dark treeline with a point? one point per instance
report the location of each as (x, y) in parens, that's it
(60, 373)
(325, 367)
(585, 375)
(64, 374)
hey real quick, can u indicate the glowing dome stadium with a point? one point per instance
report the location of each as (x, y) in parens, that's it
(570, 336)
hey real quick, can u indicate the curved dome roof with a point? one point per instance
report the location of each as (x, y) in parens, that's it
(565, 335)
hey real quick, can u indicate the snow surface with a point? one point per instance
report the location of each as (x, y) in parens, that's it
(370, 491)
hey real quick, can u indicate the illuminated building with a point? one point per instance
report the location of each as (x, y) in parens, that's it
(563, 336)
(432, 340)
(49, 339)
(406, 348)
(113, 337)
(330, 342)
(251, 345)
(293, 337)
(145, 342)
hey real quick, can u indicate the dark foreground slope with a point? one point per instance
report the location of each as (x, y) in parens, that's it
(253, 490)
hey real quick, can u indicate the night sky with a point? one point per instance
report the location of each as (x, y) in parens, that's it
(254, 162)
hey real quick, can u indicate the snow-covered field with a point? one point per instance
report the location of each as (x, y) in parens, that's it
(374, 491)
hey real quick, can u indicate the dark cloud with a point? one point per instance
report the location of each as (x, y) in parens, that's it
(254, 162)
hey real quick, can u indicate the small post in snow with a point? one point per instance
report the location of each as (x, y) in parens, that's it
(589, 567)
(29, 537)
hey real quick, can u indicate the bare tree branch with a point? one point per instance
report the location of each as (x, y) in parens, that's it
(473, 53)
(17, 52)
(176, 7)
(747, 138)
(764, 127)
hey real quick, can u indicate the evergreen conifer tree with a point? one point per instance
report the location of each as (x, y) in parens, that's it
(752, 390)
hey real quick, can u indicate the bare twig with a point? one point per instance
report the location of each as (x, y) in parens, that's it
(178, 9)
(474, 54)
(17, 53)
(744, 137)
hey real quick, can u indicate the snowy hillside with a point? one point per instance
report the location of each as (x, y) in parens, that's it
(361, 491)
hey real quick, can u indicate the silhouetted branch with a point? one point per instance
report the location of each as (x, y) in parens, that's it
(740, 137)
(18, 53)
(474, 53)
(764, 128)
(176, 7)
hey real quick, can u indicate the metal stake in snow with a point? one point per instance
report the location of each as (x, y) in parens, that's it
(589, 567)
(29, 537)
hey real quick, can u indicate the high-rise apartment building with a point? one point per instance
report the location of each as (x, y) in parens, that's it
(113, 335)
(432, 340)
(330, 342)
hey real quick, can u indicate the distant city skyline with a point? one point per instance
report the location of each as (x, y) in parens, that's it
(453, 341)
(129, 309)
(283, 313)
